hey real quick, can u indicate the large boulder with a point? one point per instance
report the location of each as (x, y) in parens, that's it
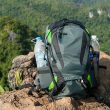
(23, 70)
(20, 100)
(103, 91)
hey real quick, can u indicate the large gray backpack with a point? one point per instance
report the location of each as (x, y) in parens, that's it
(71, 61)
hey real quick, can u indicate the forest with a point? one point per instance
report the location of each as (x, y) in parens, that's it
(23, 20)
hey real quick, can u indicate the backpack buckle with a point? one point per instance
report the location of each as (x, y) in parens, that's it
(83, 84)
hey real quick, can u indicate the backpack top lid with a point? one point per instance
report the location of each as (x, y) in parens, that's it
(62, 23)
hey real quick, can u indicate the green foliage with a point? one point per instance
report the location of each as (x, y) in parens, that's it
(1, 89)
(12, 45)
(28, 15)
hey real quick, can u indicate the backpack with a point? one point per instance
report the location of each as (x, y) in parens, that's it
(72, 63)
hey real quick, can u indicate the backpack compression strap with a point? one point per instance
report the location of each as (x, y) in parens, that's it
(58, 81)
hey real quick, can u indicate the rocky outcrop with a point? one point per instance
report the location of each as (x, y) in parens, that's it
(23, 68)
(20, 100)
(103, 91)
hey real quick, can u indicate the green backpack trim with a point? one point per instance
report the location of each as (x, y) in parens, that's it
(89, 79)
(52, 85)
(49, 36)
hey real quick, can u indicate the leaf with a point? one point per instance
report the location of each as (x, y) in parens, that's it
(1, 89)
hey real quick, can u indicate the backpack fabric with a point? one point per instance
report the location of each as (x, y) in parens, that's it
(69, 70)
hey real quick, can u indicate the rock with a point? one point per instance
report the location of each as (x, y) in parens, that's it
(66, 103)
(26, 64)
(20, 100)
(12, 35)
(23, 66)
(30, 55)
(23, 60)
(16, 100)
(92, 104)
(103, 90)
